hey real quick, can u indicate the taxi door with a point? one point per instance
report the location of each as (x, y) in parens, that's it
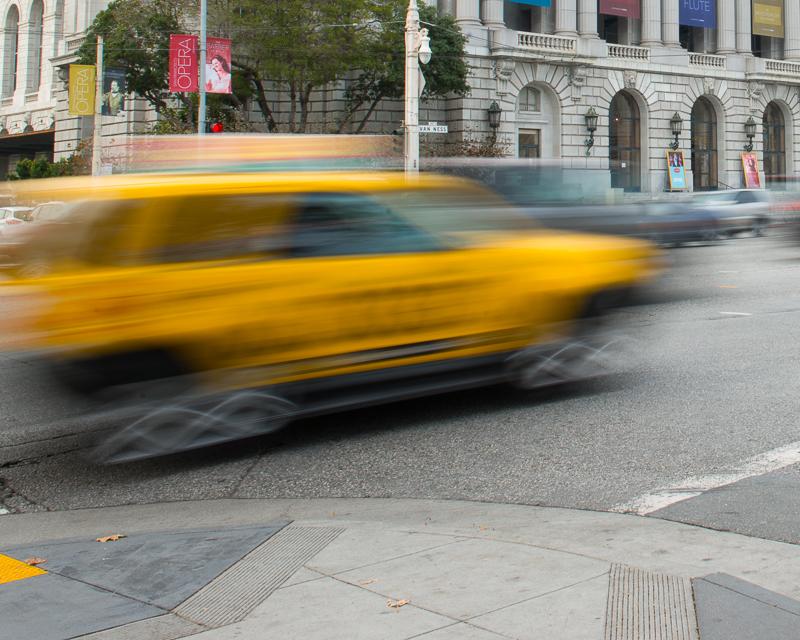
(361, 288)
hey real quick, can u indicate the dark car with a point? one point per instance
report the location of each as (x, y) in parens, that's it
(678, 223)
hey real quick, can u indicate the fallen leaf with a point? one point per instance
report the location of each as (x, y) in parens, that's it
(34, 561)
(112, 538)
(364, 583)
(396, 604)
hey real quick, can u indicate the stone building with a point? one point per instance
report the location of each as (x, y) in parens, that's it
(546, 66)
(545, 63)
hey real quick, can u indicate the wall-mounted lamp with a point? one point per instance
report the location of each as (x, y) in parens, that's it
(494, 112)
(676, 125)
(591, 126)
(750, 132)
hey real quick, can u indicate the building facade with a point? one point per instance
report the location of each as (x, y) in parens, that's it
(545, 64)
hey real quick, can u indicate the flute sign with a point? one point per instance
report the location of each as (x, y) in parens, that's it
(183, 69)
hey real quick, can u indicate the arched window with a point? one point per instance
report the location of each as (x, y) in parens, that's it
(624, 144)
(704, 145)
(11, 52)
(774, 142)
(530, 99)
(35, 43)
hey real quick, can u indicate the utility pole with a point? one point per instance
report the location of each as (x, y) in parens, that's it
(97, 140)
(201, 110)
(417, 50)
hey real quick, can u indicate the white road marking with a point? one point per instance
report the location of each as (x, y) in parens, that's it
(3, 511)
(693, 486)
(735, 313)
(727, 272)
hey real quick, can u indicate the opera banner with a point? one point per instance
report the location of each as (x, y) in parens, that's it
(218, 65)
(114, 90)
(81, 89)
(183, 67)
(750, 165)
(768, 18)
(623, 8)
(698, 13)
(677, 171)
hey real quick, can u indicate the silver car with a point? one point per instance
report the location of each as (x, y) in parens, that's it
(737, 210)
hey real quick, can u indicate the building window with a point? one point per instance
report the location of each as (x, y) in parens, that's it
(530, 143)
(704, 146)
(10, 51)
(530, 99)
(624, 145)
(36, 42)
(774, 143)
(610, 28)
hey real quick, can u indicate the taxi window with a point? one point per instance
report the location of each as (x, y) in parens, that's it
(218, 227)
(339, 224)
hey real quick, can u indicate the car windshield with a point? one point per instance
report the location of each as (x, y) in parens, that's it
(724, 197)
(448, 211)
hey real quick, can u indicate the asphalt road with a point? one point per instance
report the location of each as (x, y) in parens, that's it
(711, 386)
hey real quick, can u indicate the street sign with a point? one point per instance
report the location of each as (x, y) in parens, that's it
(432, 127)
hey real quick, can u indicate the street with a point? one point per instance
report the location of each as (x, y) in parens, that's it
(701, 426)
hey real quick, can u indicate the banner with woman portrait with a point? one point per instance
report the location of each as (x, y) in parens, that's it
(752, 180)
(218, 65)
(676, 170)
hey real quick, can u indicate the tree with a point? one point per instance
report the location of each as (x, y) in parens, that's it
(136, 38)
(383, 74)
(300, 44)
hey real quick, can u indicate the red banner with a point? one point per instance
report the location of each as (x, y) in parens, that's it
(218, 65)
(183, 68)
(624, 8)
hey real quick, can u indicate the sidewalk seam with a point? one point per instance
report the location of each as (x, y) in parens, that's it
(749, 597)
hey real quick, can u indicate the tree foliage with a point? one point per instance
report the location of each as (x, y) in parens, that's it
(383, 74)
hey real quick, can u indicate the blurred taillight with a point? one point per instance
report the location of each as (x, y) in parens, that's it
(13, 221)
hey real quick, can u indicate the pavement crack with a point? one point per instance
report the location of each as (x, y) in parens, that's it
(13, 501)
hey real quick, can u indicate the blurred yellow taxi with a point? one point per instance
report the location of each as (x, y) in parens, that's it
(355, 287)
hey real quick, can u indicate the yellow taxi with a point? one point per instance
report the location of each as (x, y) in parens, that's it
(273, 295)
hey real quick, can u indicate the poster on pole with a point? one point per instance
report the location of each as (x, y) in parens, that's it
(622, 8)
(698, 13)
(750, 165)
(218, 65)
(768, 18)
(81, 89)
(677, 170)
(183, 67)
(114, 90)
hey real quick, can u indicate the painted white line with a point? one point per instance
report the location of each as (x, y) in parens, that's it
(692, 487)
(3, 511)
(734, 313)
(727, 272)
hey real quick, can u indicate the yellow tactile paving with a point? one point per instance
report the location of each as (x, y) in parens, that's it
(12, 569)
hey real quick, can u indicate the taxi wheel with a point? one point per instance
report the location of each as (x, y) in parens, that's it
(197, 423)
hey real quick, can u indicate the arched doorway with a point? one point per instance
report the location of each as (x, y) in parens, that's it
(624, 145)
(774, 142)
(704, 146)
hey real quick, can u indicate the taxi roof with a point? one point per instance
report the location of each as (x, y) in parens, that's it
(154, 185)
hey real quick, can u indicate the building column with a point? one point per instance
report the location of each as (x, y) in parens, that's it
(726, 27)
(447, 7)
(566, 22)
(791, 43)
(492, 14)
(670, 30)
(744, 43)
(587, 19)
(468, 12)
(651, 23)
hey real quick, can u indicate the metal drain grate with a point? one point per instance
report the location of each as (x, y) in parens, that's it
(643, 605)
(246, 584)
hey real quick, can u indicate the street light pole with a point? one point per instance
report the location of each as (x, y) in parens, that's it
(97, 138)
(201, 109)
(417, 50)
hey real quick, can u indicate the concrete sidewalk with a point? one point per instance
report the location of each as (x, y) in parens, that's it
(385, 569)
